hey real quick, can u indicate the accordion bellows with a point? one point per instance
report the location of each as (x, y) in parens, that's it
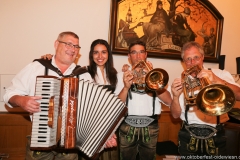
(74, 114)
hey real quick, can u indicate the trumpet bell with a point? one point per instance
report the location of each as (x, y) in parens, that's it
(156, 79)
(215, 99)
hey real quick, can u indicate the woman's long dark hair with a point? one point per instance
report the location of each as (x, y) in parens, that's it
(111, 72)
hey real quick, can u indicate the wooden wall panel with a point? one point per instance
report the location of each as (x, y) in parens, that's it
(13, 131)
(15, 127)
(169, 127)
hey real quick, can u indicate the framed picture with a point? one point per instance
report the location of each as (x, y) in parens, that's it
(165, 25)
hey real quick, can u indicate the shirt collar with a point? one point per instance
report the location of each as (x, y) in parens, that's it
(70, 68)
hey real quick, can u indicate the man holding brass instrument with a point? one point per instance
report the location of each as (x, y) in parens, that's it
(202, 98)
(139, 132)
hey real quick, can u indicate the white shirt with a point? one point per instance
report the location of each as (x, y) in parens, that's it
(24, 82)
(99, 77)
(140, 104)
(200, 118)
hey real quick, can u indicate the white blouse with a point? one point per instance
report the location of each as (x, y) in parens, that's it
(99, 77)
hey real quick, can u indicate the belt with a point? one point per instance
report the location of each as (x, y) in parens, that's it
(201, 131)
(141, 121)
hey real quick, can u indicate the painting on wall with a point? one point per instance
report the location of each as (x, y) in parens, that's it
(165, 25)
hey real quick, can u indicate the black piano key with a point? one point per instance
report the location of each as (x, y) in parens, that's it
(42, 119)
(44, 94)
(42, 131)
(42, 128)
(46, 86)
(46, 82)
(45, 98)
(44, 107)
(43, 115)
(45, 103)
(42, 137)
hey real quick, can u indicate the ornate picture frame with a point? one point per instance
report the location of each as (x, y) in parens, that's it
(165, 25)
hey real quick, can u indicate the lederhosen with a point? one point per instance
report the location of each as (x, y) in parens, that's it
(202, 134)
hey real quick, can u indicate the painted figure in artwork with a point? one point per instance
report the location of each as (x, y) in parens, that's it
(159, 24)
(182, 28)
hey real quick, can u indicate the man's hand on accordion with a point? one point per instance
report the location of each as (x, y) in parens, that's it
(28, 103)
(111, 142)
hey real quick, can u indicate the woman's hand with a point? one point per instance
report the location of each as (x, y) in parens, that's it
(47, 56)
(112, 142)
(125, 67)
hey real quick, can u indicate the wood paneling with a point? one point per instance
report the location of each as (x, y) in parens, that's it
(168, 127)
(15, 127)
(13, 131)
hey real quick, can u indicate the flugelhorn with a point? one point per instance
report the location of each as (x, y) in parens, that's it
(147, 77)
(211, 99)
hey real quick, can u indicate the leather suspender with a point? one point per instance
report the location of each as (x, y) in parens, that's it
(78, 70)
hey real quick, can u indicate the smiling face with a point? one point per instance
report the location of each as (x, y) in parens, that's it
(65, 51)
(100, 55)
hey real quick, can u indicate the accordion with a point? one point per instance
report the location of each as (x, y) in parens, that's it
(74, 114)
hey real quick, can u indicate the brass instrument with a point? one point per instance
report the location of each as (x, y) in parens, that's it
(211, 99)
(147, 77)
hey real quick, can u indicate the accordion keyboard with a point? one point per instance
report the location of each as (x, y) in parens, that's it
(44, 128)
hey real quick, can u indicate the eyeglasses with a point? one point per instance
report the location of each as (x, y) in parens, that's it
(189, 59)
(138, 52)
(70, 45)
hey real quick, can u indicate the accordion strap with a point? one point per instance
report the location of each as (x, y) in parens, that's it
(78, 70)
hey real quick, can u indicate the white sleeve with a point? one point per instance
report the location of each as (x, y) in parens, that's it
(86, 77)
(225, 75)
(24, 82)
(120, 83)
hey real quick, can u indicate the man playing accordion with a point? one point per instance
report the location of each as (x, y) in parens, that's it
(22, 91)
